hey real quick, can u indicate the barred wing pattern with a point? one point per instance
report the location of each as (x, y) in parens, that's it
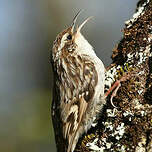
(77, 81)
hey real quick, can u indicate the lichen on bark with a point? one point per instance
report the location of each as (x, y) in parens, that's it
(128, 126)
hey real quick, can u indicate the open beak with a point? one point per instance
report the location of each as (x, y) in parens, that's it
(80, 27)
(74, 21)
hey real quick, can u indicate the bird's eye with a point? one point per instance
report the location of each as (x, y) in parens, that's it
(69, 37)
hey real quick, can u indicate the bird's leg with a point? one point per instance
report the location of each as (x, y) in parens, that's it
(115, 87)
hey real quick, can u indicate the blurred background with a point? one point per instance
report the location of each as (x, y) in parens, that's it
(27, 31)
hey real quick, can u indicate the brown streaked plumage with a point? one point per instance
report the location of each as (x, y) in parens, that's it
(80, 79)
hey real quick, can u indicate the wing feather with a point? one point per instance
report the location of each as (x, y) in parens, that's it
(83, 107)
(83, 79)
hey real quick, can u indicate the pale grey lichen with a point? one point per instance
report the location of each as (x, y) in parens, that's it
(128, 113)
(108, 125)
(108, 145)
(104, 145)
(111, 75)
(140, 11)
(137, 104)
(112, 112)
(140, 91)
(94, 122)
(119, 131)
(142, 55)
(143, 113)
(93, 146)
(122, 149)
(141, 145)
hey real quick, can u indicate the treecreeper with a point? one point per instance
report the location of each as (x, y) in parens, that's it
(79, 79)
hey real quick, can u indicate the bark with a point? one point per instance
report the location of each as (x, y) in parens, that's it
(127, 126)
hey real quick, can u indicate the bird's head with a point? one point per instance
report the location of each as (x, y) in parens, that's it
(71, 39)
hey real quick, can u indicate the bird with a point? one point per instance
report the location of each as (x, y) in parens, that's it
(80, 79)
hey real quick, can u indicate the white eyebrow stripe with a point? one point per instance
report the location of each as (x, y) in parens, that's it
(64, 37)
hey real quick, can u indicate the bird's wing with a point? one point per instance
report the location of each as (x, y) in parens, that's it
(82, 81)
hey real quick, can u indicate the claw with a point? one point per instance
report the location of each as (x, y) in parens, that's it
(115, 87)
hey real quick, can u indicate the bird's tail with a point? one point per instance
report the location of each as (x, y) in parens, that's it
(72, 144)
(74, 139)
